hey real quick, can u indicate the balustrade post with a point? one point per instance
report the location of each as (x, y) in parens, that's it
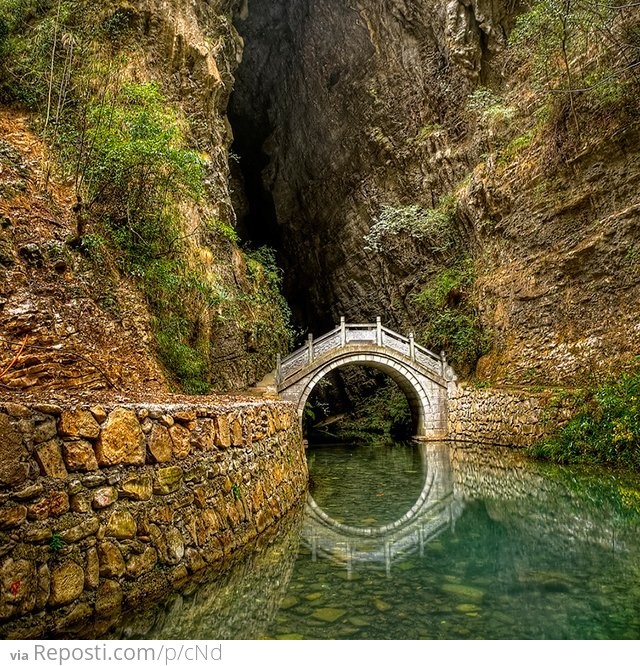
(310, 347)
(443, 362)
(379, 331)
(278, 370)
(343, 332)
(412, 347)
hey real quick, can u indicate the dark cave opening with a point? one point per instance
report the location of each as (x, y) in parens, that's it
(257, 222)
(257, 129)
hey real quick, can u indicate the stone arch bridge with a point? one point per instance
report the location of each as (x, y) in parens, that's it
(424, 377)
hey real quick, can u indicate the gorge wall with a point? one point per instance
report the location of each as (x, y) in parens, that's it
(104, 505)
(371, 104)
(199, 312)
(338, 113)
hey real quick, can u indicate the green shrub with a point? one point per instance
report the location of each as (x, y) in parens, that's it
(431, 224)
(135, 165)
(190, 365)
(606, 428)
(383, 414)
(489, 106)
(452, 321)
(267, 313)
(221, 228)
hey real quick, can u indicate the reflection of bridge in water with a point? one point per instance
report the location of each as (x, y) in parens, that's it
(434, 511)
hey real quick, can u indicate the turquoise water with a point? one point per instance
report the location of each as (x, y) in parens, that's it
(430, 542)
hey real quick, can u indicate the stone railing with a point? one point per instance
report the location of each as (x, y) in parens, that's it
(359, 334)
(103, 506)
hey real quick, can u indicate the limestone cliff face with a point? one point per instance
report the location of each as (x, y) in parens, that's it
(86, 325)
(365, 104)
(344, 94)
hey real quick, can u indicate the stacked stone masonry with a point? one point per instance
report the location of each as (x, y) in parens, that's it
(506, 417)
(103, 506)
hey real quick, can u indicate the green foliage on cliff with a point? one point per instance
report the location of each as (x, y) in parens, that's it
(585, 53)
(430, 224)
(452, 323)
(268, 313)
(142, 209)
(489, 106)
(131, 157)
(606, 428)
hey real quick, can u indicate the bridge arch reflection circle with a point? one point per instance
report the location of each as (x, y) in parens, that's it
(435, 510)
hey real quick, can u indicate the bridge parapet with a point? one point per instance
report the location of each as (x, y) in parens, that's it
(359, 334)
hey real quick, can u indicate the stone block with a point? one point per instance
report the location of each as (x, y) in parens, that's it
(79, 456)
(78, 423)
(12, 516)
(142, 563)
(13, 469)
(160, 444)
(17, 587)
(80, 503)
(108, 598)
(37, 534)
(38, 510)
(194, 560)
(50, 460)
(185, 416)
(168, 480)
(91, 569)
(121, 525)
(81, 530)
(121, 440)
(31, 491)
(67, 583)
(104, 497)
(43, 586)
(58, 503)
(99, 413)
(110, 560)
(181, 441)
(44, 430)
(17, 410)
(170, 546)
(203, 437)
(162, 514)
(223, 440)
(138, 487)
(237, 438)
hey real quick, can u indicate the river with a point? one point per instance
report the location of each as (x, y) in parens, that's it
(428, 541)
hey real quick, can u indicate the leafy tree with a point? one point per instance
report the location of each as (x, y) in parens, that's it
(578, 47)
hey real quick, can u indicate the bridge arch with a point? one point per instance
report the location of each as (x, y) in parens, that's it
(424, 377)
(403, 376)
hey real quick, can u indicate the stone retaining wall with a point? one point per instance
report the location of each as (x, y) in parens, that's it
(101, 506)
(506, 417)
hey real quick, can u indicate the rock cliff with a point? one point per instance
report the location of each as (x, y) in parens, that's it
(91, 315)
(339, 113)
(375, 104)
